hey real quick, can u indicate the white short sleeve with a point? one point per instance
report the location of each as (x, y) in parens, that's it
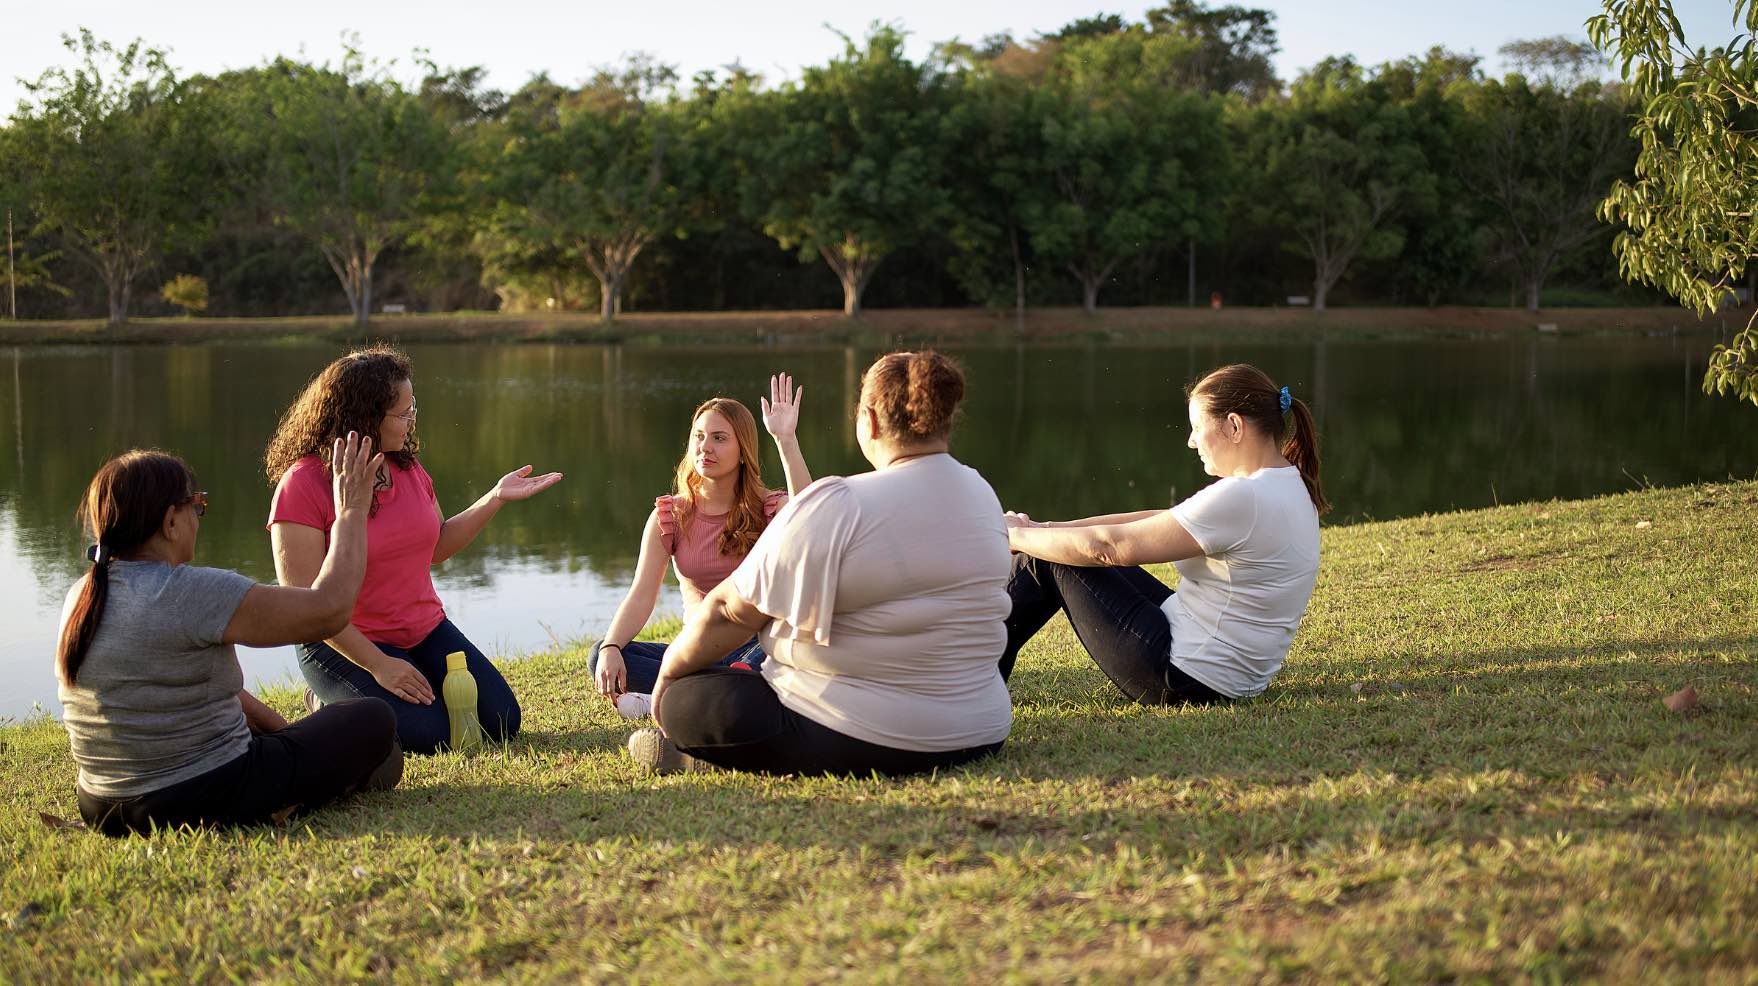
(792, 570)
(1220, 517)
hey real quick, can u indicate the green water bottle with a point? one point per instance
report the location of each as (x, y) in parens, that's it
(459, 692)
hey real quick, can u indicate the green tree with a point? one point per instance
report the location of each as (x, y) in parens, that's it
(1001, 165)
(116, 160)
(1231, 46)
(596, 178)
(1443, 246)
(1689, 207)
(1132, 161)
(848, 164)
(344, 156)
(1336, 163)
(1541, 157)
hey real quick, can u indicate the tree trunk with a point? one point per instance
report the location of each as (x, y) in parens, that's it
(1090, 283)
(363, 314)
(1018, 279)
(118, 302)
(1089, 296)
(1320, 289)
(1534, 282)
(1190, 288)
(853, 267)
(609, 290)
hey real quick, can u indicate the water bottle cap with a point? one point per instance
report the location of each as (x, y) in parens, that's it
(455, 661)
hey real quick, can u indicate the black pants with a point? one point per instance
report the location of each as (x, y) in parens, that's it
(1116, 614)
(732, 718)
(335, 751)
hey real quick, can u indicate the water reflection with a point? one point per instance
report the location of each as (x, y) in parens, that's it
(1059, 430)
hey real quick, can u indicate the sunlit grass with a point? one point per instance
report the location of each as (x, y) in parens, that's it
(1465, 772)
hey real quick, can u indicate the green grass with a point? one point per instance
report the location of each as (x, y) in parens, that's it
(1465, 773)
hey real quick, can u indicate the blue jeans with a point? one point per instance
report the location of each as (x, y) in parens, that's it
(421, 728)
(641, 660)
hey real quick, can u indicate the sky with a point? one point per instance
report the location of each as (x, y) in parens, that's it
(514, 39)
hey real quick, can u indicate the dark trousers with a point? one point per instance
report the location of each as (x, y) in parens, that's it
(1116, 614)
(642, 658)
(733, 719)
(329, 754)
(421, 728)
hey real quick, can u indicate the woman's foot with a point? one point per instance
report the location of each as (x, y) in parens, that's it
(635, 705)
(652, 750)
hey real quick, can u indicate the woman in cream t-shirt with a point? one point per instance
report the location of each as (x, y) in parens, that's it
(880, 600)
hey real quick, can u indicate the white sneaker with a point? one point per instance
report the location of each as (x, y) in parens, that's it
(635, 705)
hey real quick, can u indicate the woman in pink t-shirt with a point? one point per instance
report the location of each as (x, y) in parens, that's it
(396, 643)
(708, 524)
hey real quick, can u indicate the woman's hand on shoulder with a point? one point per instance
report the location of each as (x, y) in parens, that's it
(355, 472)
(521, 485)
(781, 409)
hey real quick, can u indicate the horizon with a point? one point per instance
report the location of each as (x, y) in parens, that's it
(196, 39)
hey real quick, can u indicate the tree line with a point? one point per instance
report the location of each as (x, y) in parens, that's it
(1113, 161)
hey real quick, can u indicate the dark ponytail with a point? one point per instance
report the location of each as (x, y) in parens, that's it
(1249, 392)
(124, 506)
(914, 395)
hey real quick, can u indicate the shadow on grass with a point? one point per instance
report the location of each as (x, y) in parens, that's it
(1457, 756)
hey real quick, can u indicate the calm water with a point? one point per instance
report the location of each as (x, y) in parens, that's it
(1059, 430)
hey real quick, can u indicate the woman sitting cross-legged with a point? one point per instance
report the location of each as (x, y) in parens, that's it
(1246, 548)
(396, 643)
(879, 598)
(717, 509)
(154, 702)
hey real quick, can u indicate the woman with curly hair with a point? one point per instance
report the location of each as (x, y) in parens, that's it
(396, 643)
(706, 526)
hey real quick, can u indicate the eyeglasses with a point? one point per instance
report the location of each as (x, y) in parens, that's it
(199, 501)
(408, 415)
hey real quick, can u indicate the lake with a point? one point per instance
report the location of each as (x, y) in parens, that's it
(1059, 429)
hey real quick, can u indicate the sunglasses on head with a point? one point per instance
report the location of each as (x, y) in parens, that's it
(198, 500)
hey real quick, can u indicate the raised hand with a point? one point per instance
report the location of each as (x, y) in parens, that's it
(355, 472)
(521, 485)
(781, 409)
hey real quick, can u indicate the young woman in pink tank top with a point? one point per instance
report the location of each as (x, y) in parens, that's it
(716, 510)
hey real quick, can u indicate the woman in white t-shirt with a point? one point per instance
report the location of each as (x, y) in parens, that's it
(1246, 547)
(880, 600)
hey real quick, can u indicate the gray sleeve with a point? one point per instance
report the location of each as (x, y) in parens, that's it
(204, 600)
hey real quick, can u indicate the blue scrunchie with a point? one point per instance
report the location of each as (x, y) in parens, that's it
(1287, 400)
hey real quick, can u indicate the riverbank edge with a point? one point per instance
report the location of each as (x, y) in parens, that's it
(896, 326)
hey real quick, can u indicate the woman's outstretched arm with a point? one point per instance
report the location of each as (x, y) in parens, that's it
(1150, 540)
(723, 621)
(458, 531)
(781, 418)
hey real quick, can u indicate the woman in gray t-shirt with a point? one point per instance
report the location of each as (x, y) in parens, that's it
(155, 708)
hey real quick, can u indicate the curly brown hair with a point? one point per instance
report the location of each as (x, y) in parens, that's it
(352, 394)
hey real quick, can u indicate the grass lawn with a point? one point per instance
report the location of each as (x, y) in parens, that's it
(1465, 772)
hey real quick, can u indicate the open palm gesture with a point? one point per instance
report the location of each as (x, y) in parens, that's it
(521, 485)
(781, 409)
